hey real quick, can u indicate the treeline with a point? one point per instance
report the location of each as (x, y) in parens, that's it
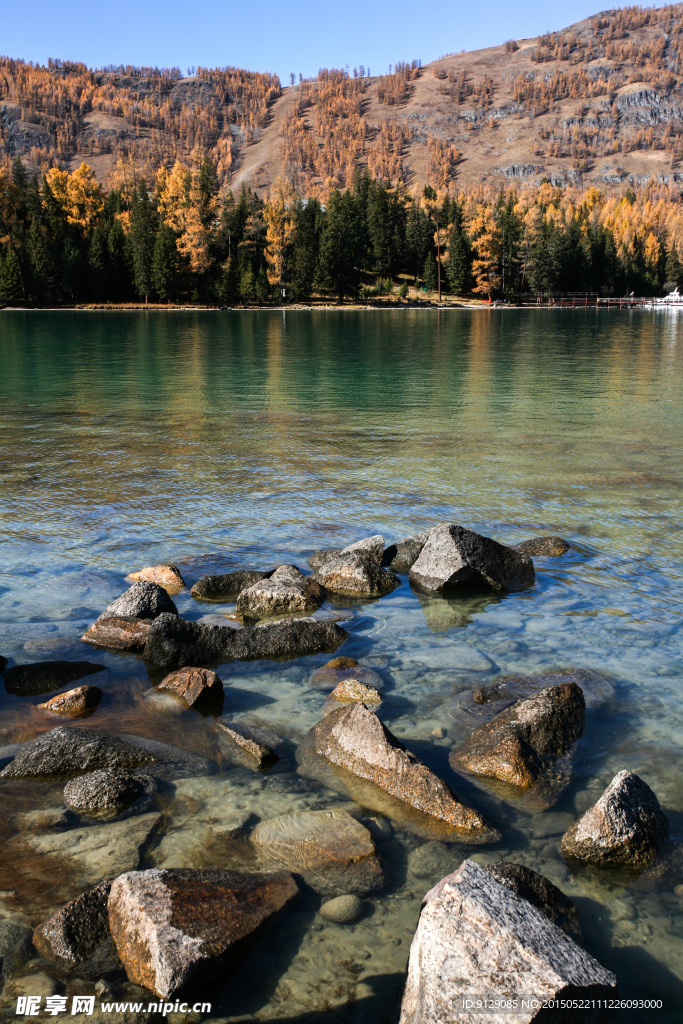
(179, 238)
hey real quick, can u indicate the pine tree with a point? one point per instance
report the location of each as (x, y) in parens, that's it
(340, 246)
(142, 238)
(98, 266)
(459, 265)
(11, 290)
(429, 273)
(165, 264)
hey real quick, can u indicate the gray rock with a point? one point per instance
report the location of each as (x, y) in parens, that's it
(174, 642)
(70, 751)
(372, 547)
(358, 575)
(520, 743)
(432, 861)
(543, 547)
(625, 827)
(106, 792)
(402, 555)
(246, 745)
(170, 762)
(101, 851)
(540, 892)
(44, 676)
(331, 851)
(287, 590)
(141, 601)
(15, 947)
(317, 559)
(476, 940)
(174, 928)
(353, 739)
(227, 586)
(454, 556)
(342, 909)
(77, 931)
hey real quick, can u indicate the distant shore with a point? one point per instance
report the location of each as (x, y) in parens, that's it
(152, 307)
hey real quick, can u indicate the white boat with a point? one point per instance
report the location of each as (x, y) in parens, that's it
(674, 298)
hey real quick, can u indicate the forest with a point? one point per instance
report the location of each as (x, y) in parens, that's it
(181, 238)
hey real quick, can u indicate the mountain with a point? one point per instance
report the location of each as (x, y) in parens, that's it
(597, 103)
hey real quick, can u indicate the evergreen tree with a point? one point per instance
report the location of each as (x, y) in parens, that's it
(142, 237)
(459, 265)
(40, 265)
(119, 273)
(340, 246)
(11, 290)
(165, 264)
(673, 274)
(303, 259)
(98, 266)
(429, 274)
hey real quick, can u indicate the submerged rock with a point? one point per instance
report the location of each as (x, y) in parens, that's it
(75, 703)
(342, 909)
(539, 547)
(70, 751)
(353, 690)
(166, 576)
(118, 633)
(228, 585)
(358, 575)
(196, 687)
(625, 827)
(518, 744)
(78, 930)
(453, 556)
(402, 555)
(476, 940)
(597, 688)
(15, 947)
(44, 676)
(354, 739)
(331, 850)
(174, 642)
(247, 745)
(338, 669)
(287, 590)
(107, 791)
(540, 892)
(174, 928)
(141, 601)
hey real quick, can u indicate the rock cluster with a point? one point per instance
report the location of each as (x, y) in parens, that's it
(453, 556)
(76, 703)
(625, 827)
(286, 591)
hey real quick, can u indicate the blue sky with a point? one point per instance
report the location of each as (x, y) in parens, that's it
(269, 35)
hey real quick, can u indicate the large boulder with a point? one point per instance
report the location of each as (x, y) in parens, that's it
(77, 931)
(141, 601)
(119, 633)
(454, 556)
(353, 738)
(358, 575)
(71, 751)
(247, 745)
(174, 642)
(625, 827)
(44, 676)
(174, 928)
(196, 687)
(287, 590)
(76, 703)
(228, 585)
(332, 852)
(520, 743)
(106, 792)
(478, 944)
(404, 553)
(540, 892)
(543, 547)
(164, 575)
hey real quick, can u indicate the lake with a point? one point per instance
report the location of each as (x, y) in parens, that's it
(218, 441)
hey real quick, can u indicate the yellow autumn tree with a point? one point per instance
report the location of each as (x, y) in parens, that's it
(485, 237)
(278, 215)
(78, 194)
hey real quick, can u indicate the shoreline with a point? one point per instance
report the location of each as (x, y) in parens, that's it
(301, 308)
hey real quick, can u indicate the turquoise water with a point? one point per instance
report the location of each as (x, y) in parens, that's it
(225, 440)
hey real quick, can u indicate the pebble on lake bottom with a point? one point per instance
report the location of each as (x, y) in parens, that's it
(342, 909)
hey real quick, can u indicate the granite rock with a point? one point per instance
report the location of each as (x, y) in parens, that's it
(358, 575)
(70, 751)
(247, 745)
(76, 931)
(76, 703)
(141, 601)
(286, 591)
(519, 743)
(196, 687)
(626, 826)
(44, 676)
(164, 575)
(331, 851)
(453, 556)
(106, 791)
(119, 633)
(543, 547)
(317, 559)
(174, 928)
(401, 556)
(16, 947)
(372, 547)
(353, 690)
(540, 892)
(227, 586)
(476, 940)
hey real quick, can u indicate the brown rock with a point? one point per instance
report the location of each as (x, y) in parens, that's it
(74, 703)
(354, 739)
(520, 742)
(175, 928)
(194, 686)
(118, 633)
(247, 745)
(332, 851)
(539, 547)
(166, 576)
(336, 671)
(350, 690)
